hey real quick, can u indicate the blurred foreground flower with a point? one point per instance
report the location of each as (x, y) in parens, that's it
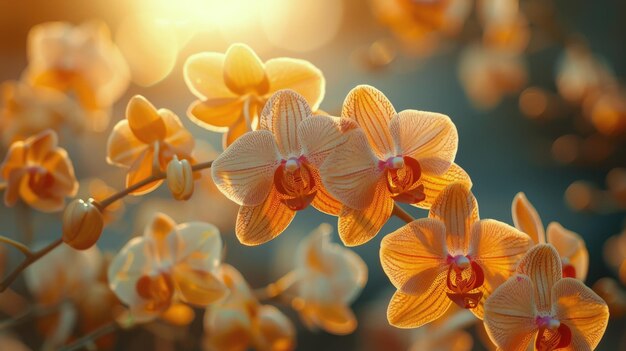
(239, 322)
(329, 278)
(538, 304)
(273, 172)
(449, 257)
(146, 141)
(407, 157)
(39, 172)
(232, 88)
(81, 61)
(570, 246)
(169, 263)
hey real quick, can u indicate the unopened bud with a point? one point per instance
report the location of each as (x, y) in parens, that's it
(180, 178)
(82, 224)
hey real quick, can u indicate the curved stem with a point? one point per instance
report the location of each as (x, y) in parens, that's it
(91, 337)
(27, 262)
(276, 288)
(402, 214)
(23, 248)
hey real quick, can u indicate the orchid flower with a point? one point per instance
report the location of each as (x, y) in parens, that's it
(450, 257)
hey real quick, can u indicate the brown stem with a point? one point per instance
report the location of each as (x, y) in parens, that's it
(16, 244)
(402, 214)
(25, 223)
(27, 262)
(91, 337)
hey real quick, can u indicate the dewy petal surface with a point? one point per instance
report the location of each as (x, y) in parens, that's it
(456, 206)
(261, 223)
(282, 115)
(430, 138)
(244, 72)
(571, 246)
(526, 218)
(415, 255)
(372, 111)
(298, 75)
(543, 265)
(244, 172)
(434, 184)
(204, 75)
(510, 314)
(582, 310)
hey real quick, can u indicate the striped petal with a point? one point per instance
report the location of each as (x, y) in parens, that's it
(282, 115)
(526, 218)
(321, 135)
(413, 311)
(261, 223)
(298, 75)
(456, 206)
(434, 184)
(571, 247)
(543, 266)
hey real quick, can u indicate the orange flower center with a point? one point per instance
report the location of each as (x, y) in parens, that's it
(40, 181)
(569, 271)
(157, 290)
(403, 175)
(464, 276)
(552, 334)
(295, 182)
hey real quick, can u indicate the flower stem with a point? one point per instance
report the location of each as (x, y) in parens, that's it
(402, 214)
(276, 288)
(23, 249)
(34, 256)
(91, 337)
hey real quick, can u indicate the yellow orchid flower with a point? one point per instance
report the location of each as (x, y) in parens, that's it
(570, 246)
(232, 88)
(450, 257)
(405, 157)
(239, 322)
(538, 305)
(147, 139)
(274, 171)
(169, 263)
(39, 172)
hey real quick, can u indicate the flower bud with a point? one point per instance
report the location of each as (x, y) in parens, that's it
(180, 178)
(82, 224)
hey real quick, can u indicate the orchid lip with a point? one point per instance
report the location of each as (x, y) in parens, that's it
(548, 322)
(291, 165)
(396, 162)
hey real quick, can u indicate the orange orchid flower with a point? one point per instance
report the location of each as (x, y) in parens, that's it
(570, 246)
(273, 172)
(232, 88)
(168, 264)
(450, 257)
(405, 157)
(538, 305)
(39, 172)
(239, 322)
(81, 60)
(147, 140)
(329, 279)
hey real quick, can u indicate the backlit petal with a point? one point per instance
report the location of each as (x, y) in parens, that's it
(430, 138)
(133, 261)
(372, 111)
(510, 314)
(413, 311)
(261, 223)
(526, 218)
(321, 135)
(456, 206)
(244, 172)
(323, 200)
(336, 319)
(123, 147)
(243, 71)
(298, 75)
(274, 330)
(582, 310)
(144, 121)
(204, 75)
(216, 114)
(159, 228)
(415, 255)
(228, 328)
(351, 173)
(357, 227)
(571, 246)
(282, 115)
(234, 132)
(197, 244)
(434, 184)
(140, 170)
(58, 163)
(197, 287)
(543, 265)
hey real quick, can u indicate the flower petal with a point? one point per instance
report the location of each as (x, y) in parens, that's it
(282, 115)
(234, 132)
(415, 255)
(204, 76)
(323, 200)
(144, 121)
(216, 114)
(456, 206)
(159, 228)
(526, 218)
(336, 319)
(321, 135)
(274, 330)
(197, 244)
(227, 328)
(582, 310)
(496, 247)
(542, 265)
(413, 311)
(132, 262)
(243, 71)
(123, 147)
(357, 227)
(298, 75)
(351, 173)
(430, 138)
(510, 314)
(244, 172)
(197, 287)
(571, 246)
(261, 223)
(434, 184)
(372, 111)
(140, 170)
